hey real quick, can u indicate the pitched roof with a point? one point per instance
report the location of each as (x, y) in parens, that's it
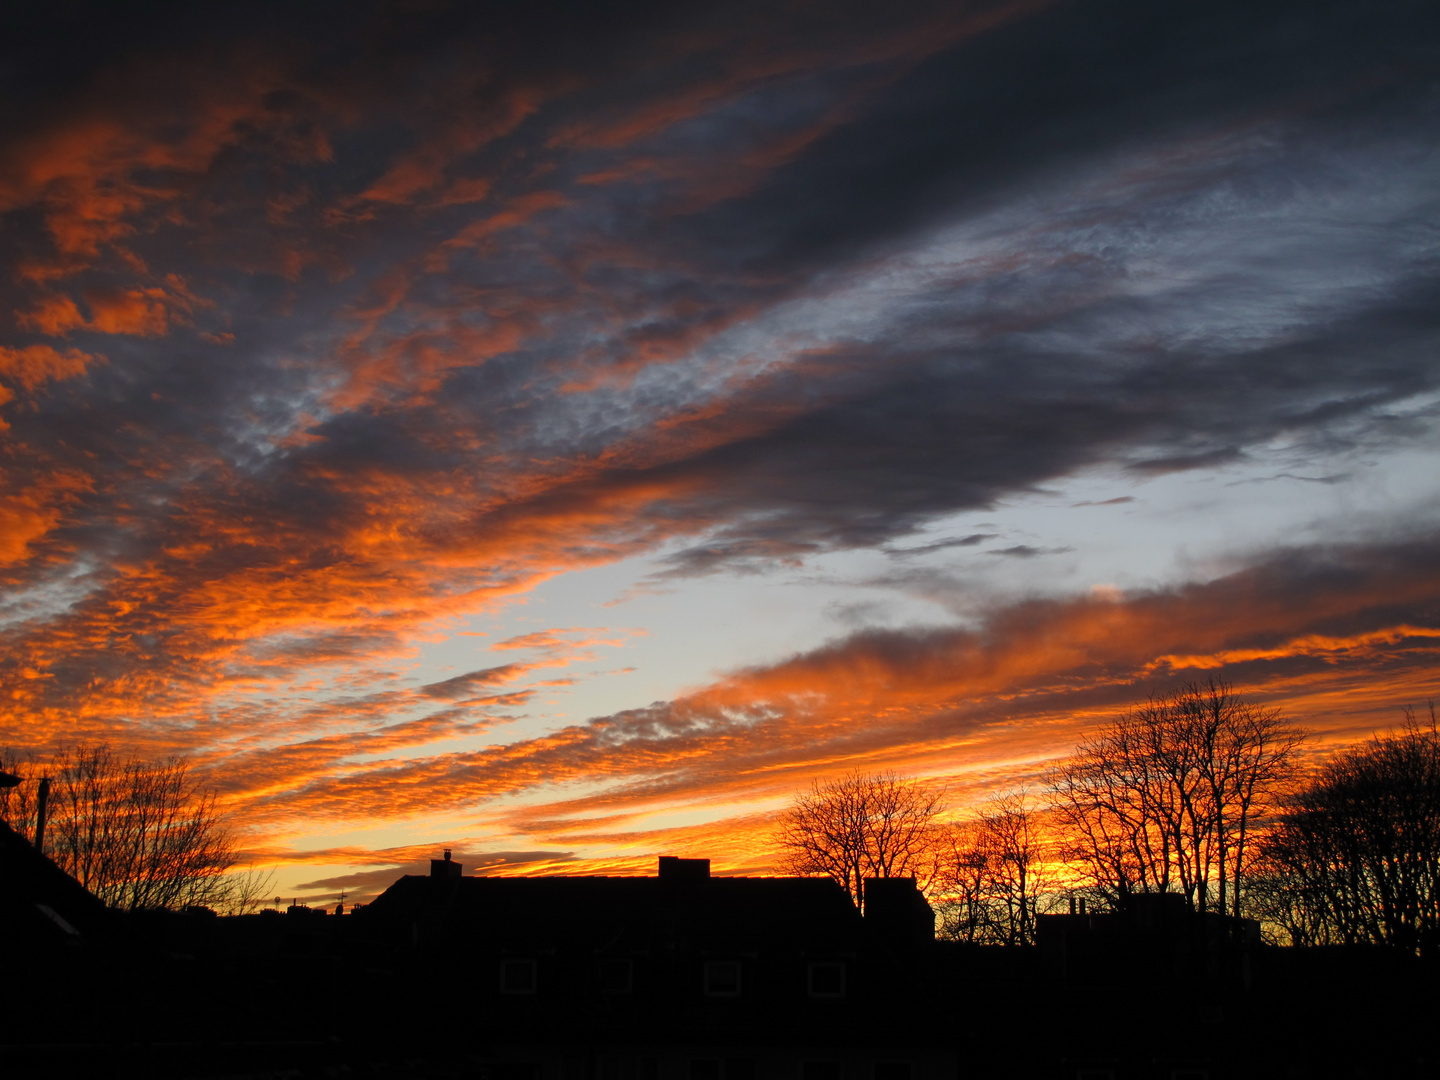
(40, 904)
(622, 914)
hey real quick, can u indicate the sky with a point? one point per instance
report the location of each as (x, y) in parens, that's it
(561, 433)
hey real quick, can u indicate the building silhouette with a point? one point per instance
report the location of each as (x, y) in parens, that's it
(678, 976)
(42, 908)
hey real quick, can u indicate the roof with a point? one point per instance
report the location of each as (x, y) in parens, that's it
(621, 914)
(40, 904)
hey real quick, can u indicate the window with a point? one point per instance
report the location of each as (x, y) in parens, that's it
(517, 976)
(705, 1069)
(892, 1070)
(616, 976)
(826, 979)
(510, 1070)
(722, 978)
(820, 1070)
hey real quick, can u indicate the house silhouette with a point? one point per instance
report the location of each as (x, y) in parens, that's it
(42, 908)
(678, 976)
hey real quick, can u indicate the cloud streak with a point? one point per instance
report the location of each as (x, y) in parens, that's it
(1337, 636)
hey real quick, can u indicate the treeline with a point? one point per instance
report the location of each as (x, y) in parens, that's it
(1197, 793)
(139, 834)
(1355, 857)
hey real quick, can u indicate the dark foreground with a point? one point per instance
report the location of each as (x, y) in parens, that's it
(686, 977)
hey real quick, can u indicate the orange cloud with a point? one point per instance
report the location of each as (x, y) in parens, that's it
(1307, 645)
(104, 169)
(140, 312)
(417, 174)
(29, 513)
(34, 365)
(554, 641)
(53, 315)
(984, 707)
(518, 211)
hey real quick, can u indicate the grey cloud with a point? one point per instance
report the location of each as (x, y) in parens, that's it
(940, 545)
(844, 470)
(1025, 551)
(1334, 478)
(1181, 462)
(462, 686)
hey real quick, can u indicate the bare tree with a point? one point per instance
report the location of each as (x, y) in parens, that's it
(1356, 859)
(136, 833)
(1167, 798)
(963, 884)
(246, 891)
(18, 803)
(996, 875)
(862, 826)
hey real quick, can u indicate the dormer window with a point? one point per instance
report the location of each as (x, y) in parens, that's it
(617, 976)
(722, 978)
(517, 977)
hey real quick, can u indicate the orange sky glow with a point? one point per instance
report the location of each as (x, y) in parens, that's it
(562, 441)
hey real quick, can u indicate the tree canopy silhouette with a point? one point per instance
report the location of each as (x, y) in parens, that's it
(1167, 798)
(136, 833)
(861, 826)
(995, 874)
(1355, 859)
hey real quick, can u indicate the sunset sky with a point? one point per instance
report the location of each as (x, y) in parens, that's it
(562, 432)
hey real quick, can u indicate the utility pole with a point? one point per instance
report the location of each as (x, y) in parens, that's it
(42, 804)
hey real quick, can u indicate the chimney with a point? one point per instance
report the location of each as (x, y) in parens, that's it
(444, 868)
(684, 871)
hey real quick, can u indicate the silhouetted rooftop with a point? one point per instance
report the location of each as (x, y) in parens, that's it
(40, 905)
(621, 913)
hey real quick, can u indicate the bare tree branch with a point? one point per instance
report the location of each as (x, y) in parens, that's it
(1167, 798)
(996, 875)
(136, 833)
(862, 826)
(1356, 859)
